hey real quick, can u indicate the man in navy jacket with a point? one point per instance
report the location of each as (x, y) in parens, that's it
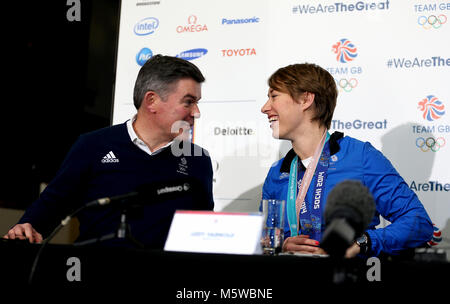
(150, 148)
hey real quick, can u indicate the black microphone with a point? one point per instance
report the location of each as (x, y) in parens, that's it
(151, 193)
(146, 193)
(349, 210)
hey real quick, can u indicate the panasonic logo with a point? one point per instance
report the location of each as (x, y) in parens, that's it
(240, 21)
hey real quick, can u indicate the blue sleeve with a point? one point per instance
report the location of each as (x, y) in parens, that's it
(410, 224)
(273, 188)
(266, 191)
(62, 195)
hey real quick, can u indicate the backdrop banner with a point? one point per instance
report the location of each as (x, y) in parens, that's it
(390, 60)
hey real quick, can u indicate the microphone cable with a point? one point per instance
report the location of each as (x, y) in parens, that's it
(102, 202)
(63, 223)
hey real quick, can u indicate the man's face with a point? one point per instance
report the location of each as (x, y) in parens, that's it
(179, 109)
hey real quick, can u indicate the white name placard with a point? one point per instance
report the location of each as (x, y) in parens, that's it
(215, 232)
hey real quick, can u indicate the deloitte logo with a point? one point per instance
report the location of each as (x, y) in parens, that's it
(146, 26)
(233, 131)
(143, 55)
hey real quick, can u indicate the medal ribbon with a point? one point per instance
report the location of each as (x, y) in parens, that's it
(294, 209)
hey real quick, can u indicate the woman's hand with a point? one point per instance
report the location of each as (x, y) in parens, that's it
(302, 244)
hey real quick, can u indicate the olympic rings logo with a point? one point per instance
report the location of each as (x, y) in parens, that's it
(348, 85)
(430, 143)
(432, 21)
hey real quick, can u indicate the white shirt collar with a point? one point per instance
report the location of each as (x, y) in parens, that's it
(130, 129)
(138, 142)
(306, 161)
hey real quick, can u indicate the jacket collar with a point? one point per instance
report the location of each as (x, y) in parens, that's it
(334, 148)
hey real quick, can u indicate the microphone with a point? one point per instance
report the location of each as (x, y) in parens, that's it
(146, 193)
(349, 210)
(108, 200)
(151, 193)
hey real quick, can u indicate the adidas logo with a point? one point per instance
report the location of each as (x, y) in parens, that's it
(110, 158)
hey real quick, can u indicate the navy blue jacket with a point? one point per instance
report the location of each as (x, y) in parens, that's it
(86, 174)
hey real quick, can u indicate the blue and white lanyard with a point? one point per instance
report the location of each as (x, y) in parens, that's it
(308, 215)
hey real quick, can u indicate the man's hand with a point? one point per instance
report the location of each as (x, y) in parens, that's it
(22, 232)
(302, 244)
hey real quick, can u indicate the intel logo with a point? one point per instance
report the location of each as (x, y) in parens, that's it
(192, 54)
(143, 55)
(146, 26)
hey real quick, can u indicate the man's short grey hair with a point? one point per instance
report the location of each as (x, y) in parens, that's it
(160, 74)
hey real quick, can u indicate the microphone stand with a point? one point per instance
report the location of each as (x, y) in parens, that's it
(341, 275)
(123, 233)
(348, 271)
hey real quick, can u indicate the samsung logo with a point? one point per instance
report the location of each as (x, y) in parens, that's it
(146, 26)
(192, 54)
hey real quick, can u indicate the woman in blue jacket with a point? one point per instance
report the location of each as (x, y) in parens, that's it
(300, 106)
